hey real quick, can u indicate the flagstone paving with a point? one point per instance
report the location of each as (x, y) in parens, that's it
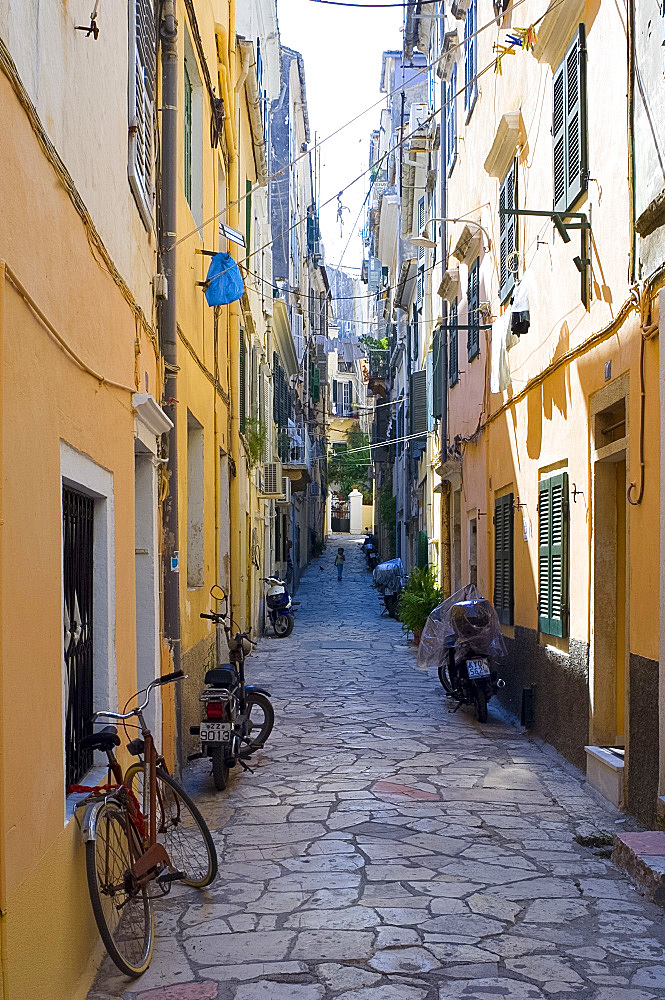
(386, 849)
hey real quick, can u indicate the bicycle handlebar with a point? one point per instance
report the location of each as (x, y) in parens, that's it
(158, 682)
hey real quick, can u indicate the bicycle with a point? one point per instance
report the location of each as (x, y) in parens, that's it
(138, 828)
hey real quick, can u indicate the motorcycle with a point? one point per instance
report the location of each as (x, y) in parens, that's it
(389, 579)
(462, 639)
(238, 717)
(280, 607)
(369, 547)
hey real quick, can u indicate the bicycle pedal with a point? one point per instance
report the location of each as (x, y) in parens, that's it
(169, 876)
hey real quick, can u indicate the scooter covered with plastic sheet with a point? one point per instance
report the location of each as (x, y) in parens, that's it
(462, 639)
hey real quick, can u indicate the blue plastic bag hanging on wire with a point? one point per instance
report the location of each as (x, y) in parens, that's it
(224, 281)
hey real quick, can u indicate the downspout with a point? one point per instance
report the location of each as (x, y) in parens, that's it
(168, 31)
(446, 573)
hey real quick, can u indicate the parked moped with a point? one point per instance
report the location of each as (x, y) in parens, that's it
(238, 717)
(370, 549)
(462, 638)
(389, 579)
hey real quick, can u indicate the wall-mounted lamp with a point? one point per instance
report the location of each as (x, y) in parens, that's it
(425, 240)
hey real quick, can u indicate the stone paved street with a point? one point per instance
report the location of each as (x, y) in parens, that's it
(385, 849)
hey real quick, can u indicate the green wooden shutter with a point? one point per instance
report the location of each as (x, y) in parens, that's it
(553, 555)
(473, 299)
(559, 137)
(423, 554)
(275, 387)
(334, 391)
(243, 382)
(453, 339)
(437, 374)
(418, 402)
(248, 219)
(188, 138)
(507, 231)
(503, 558)
(569, 125)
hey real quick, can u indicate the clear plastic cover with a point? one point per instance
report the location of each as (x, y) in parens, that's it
(389, 574)
(467, 622)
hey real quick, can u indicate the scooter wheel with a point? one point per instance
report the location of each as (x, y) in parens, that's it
(391, 603)
(220, 768)
(284, 625)
(444, 677)
(481, 703)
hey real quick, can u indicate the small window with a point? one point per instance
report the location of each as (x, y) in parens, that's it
(195, 500)
(503, 558)
(243, 382)
(437, 375)
(553, 555)
(470, 58)
(141, 104)
(473, 299)
(451, 121)
(453, 332)
(569, 128)
(508, 232)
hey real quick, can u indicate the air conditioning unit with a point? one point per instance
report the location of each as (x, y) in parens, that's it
(272, 479)
(418, 114)
(317, 252)
(449, 51)
(286, 490)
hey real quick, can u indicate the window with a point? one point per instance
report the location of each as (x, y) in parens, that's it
(421, 226)
(453, 374)
(451, 121)
(188, 138)
(193, 133)
(569, 132)
(503, 558)
(553, 555)
(248, 220)
(141, 104)
(437, 375)
(508, 232)
(334, 390)
(473, 300)
(194, 502)
(423, 550)
(470, 58)
(243, 383)
(418, 402)
(347, 397)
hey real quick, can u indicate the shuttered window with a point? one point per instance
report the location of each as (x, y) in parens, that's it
(142, 47)
(473, 298)
(418, 402)
(334, 390)
(569, 127)
(423, 554)
(188, 138)
(507, 231)
(437, 374)
(503, 558)
(451, 121)
(421, 226)
(553, 555)
(470, 58)
(453, 340)
(243, 382)
(248, 220)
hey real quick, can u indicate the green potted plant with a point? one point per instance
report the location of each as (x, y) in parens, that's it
(421, 595)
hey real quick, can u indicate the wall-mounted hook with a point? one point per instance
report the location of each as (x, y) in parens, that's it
(481, 513)
(517, 504)
(576, 493)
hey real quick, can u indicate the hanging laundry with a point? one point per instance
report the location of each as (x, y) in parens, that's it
(499, 368)
(520, 317)
(224, 282)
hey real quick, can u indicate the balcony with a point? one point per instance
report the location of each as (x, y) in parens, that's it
(296, 455)
(378, 373)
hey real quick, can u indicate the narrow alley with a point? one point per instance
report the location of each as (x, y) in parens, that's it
(386, 849)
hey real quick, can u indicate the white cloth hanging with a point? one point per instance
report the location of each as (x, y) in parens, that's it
(499, 368)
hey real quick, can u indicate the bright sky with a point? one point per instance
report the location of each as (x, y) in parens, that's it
(341, 47)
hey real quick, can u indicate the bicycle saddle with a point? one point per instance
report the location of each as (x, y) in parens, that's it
(104, 740)
(222, 676)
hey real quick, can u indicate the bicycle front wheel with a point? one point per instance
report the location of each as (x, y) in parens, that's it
(122, 910)
(180, 828)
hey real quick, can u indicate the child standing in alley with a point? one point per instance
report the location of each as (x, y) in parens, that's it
(339, 562)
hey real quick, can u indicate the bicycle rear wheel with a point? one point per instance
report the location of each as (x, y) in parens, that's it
(123, 911)
(180, 828)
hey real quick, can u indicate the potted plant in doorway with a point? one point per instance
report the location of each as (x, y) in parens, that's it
(421, 595)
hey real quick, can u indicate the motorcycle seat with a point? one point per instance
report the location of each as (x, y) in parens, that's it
(221, 676)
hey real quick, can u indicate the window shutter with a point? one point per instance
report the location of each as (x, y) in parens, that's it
(470, 57)
(576, 144)
(334, 391)
(275, 388)
(243, 382)
(421, 226)
(553, 555)
(141, 104)
(473, 299)
(503, 558)
(437, 375)
(453, 339)
(188, 138)
(507, 231)
(423, 554)
(248, 219)
(429, 368)
(559, 138)
(418, 401)
(451, 120)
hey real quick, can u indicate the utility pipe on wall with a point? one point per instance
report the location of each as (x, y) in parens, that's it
(168, 332)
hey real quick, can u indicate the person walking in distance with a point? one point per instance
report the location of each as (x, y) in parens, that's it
(339, 562)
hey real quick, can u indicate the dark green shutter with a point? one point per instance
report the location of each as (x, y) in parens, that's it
(507, 231)
(553, 555)
(473, 298)
(334, 390)
(437, 373)
(275, 388)
(418, 402)
(503, 558)
(569, 125)
(423, 554)
(248, 219)
(243, 382)
(188, 138)
(453, 340)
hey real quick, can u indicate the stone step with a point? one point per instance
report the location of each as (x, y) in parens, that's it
(642, 856)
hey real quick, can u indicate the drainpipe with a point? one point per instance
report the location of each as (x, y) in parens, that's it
(446, 574)
(168, 32)
(4, 985)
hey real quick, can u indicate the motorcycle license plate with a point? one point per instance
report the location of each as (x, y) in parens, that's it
(216, 732)
(478, 668)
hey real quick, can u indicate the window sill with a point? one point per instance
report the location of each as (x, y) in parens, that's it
(554, 642)
(97, 775)
(508, 631)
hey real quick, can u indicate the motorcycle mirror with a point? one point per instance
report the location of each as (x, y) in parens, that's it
(217, 593)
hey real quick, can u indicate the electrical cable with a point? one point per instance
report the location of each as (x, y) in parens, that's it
(373, 6)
